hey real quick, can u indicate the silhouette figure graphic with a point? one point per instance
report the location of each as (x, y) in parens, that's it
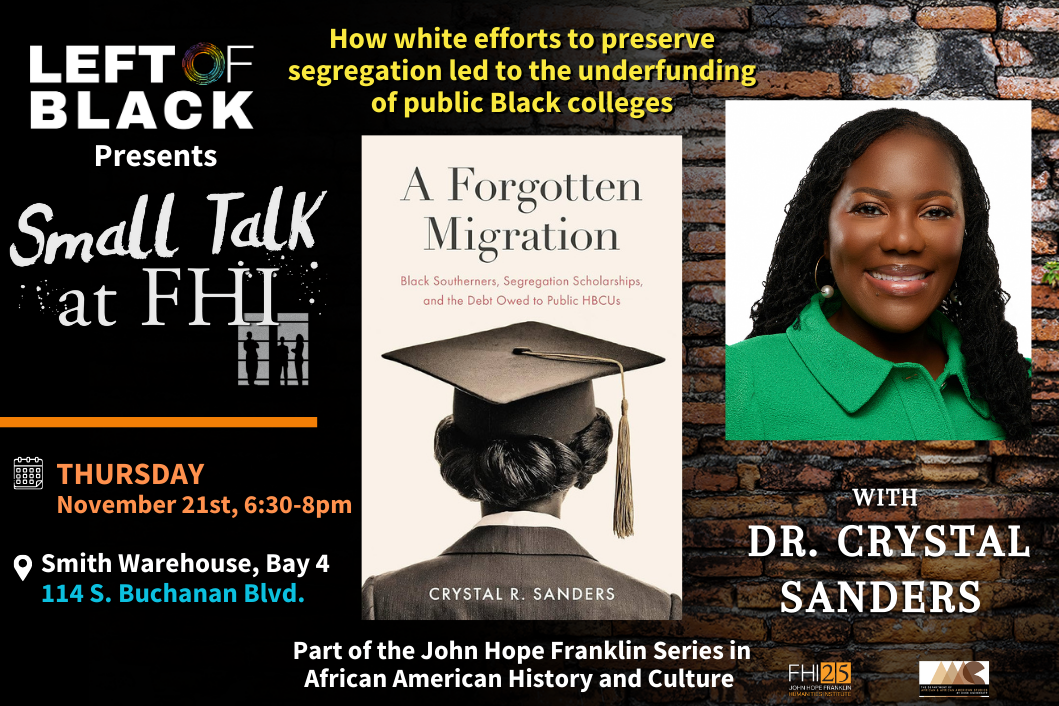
(282, 353)
(250, 347)
(299, 356)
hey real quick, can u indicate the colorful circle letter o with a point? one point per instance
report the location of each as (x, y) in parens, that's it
(209, 50)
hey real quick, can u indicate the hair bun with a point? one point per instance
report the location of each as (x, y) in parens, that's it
(513, 472)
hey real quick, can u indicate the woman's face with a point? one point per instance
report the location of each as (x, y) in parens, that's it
(895, 231)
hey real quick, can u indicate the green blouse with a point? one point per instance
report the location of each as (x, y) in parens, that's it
(814, 383)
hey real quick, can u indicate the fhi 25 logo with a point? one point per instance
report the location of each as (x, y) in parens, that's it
(203, 64)
(954, 679)
(819, 679)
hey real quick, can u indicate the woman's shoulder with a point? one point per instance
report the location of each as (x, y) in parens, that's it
(759, 375)
(761, 344)
(760, 352)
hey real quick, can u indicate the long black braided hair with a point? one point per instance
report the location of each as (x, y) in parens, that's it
(996, 371)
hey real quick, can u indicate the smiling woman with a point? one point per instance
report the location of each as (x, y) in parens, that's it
(882, 315)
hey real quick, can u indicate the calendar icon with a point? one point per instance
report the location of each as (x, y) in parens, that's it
(29, 473)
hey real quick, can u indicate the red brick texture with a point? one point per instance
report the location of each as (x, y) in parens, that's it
(1022, 18)
(853, 50)
(884, 85)
(980, 17)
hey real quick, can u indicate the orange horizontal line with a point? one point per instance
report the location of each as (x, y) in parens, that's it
(158, 422)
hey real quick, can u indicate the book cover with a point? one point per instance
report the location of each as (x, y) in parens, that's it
(469, 234)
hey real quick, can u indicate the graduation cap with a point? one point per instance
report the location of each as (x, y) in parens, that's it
(532, 379)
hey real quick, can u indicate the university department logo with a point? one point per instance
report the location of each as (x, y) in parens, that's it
(818, 680)
(949, 679)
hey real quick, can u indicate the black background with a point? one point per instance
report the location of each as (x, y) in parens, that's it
(304, 138)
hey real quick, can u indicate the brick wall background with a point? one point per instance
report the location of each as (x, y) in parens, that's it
(854, 51)
(857, 51)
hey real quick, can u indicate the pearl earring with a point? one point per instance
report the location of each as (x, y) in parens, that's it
(827, 290)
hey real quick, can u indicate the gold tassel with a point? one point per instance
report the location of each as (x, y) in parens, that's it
(623, 514)
(623, 479)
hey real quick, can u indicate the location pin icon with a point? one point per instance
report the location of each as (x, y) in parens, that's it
(22, 565)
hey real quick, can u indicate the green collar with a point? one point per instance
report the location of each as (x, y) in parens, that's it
(852, 375)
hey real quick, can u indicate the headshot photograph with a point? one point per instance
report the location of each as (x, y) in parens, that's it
(877, 270)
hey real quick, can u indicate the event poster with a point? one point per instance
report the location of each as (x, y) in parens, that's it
(209, 216)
